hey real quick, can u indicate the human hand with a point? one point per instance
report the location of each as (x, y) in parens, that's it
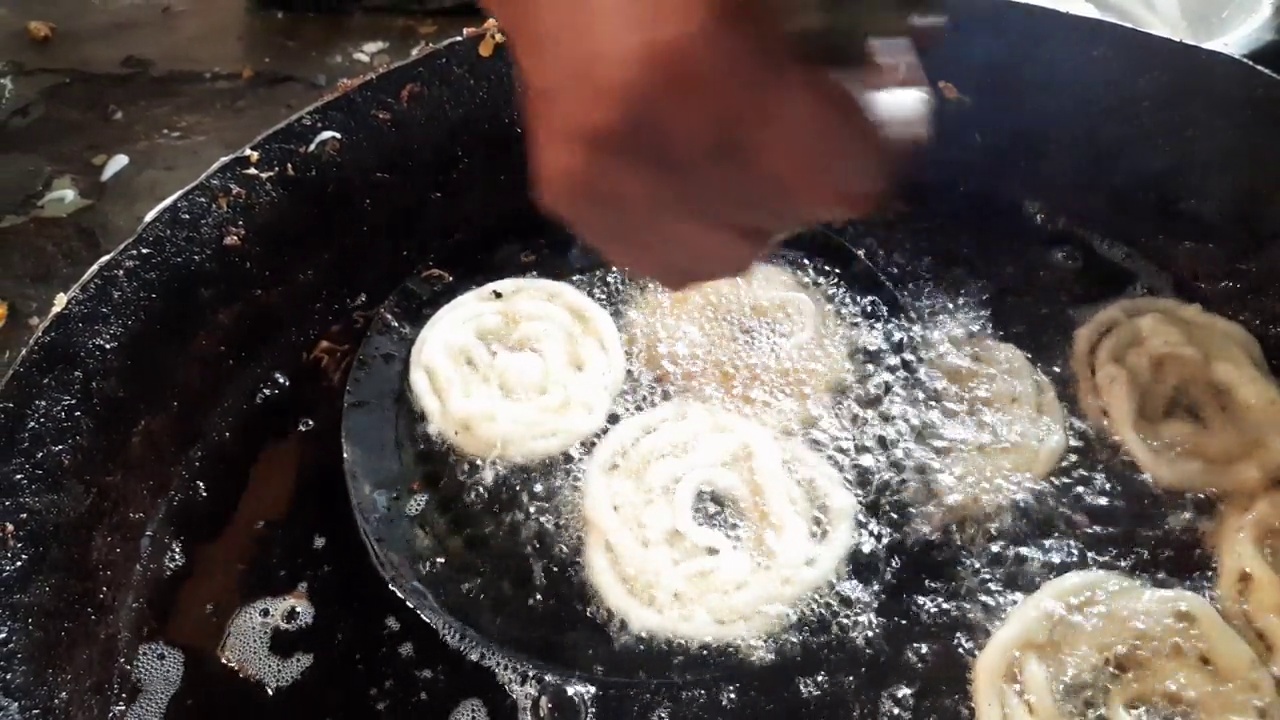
(679, 137)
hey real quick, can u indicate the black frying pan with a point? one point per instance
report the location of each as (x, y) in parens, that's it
(190, 392)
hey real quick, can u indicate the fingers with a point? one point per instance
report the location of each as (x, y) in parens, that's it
(638, 215)
(680, 155)
(627, 217)
(678, 253)
(710, 217)
(807, 154)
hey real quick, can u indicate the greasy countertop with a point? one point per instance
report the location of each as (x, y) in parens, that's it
(174, 86)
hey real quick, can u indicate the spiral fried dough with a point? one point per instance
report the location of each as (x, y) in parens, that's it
(1006, 427)
(764, 344)
(1094, 644)
(1248, 540)
(520, 369)
(1186, 392)
(705, 526)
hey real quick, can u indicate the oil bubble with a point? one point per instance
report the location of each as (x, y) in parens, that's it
(158, 672)
(246, 645)
(470, 709)
(556, 701)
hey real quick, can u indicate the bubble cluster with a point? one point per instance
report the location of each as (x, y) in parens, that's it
(549, 500)
(562, 701)
(158, 672)
(996, 430)
(767, 343)
(470, 709)
(417, 503)
(880, 429)
(246, 645)
(812, 685)
(174, 558)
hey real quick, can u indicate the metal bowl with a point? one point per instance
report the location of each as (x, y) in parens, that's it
(1238, 27)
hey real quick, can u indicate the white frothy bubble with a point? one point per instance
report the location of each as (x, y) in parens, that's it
(174, 558)
(158, 672)
(470, 709)
(246, 646)
(416, 504)
(812, 685)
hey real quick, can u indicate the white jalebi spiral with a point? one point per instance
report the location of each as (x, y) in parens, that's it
(662, 571)
(1004, 427)
(1186, 392)
(766, 343)
(1101, 640)
(519, 370)
(1248, 547)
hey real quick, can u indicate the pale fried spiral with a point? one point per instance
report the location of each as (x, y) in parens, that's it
(705, 526)
(765, 344)
(520, 369)
(1186, 392)
(1093, 639)
(1247, 543)
(1004, 427)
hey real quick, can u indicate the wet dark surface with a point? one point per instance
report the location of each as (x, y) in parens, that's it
(173, 85)
(189, 394)
(164, 444)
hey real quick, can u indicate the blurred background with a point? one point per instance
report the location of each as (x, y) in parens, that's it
(107, 107)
